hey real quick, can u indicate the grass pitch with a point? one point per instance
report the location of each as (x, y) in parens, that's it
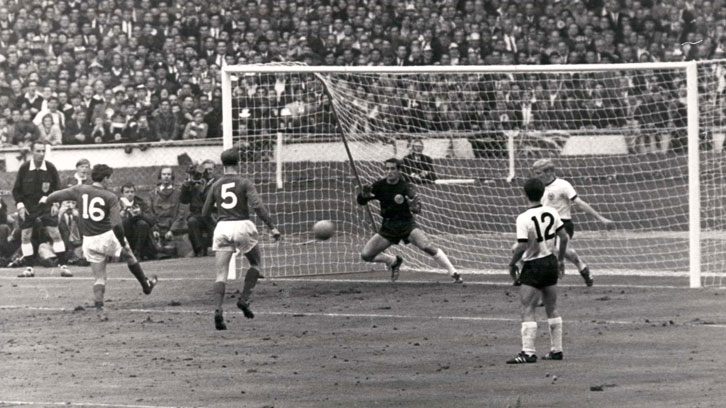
(354, 341)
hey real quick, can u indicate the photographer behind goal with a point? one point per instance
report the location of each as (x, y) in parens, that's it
(193, 192)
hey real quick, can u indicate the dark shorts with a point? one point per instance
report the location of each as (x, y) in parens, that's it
(396, 232)
(540, 273)
(569, 227)
(42, 214)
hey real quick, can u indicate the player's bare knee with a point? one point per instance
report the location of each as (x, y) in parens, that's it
(367, 257)
(128, 257)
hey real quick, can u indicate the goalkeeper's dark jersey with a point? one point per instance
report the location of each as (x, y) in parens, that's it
(392, 198)
(98, 208)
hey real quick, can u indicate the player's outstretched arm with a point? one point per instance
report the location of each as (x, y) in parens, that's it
(584, 206)
(265, 217)
(61, 195)
(365, 195)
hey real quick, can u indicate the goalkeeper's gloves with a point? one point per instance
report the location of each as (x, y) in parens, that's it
(367, 191)
(118, 230)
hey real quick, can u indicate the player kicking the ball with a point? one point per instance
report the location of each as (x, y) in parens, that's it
(102, 229)
(537, 231)
(399, 203)
(560, 195)
(233, 195)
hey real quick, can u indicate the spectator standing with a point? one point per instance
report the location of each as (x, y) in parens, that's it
(137, 222)
(417, 167)
(170, 215)
(193, 192)
(83, 168)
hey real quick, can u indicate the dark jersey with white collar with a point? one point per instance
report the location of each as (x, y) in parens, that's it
(32, 184)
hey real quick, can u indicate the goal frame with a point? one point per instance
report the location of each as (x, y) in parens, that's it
(691, 75)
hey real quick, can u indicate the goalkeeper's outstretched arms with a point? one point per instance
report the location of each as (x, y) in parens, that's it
(365, 195)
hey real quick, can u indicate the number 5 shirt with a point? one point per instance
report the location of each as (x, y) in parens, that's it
(234, 196)
(98, 208)
(538, 228)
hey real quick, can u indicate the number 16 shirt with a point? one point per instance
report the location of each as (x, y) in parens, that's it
(98, 208)
(538, 227)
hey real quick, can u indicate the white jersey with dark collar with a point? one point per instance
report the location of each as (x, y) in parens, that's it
(559, 195)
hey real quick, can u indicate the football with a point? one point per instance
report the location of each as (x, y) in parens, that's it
(323, 230)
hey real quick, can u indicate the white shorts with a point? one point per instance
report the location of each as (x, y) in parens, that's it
(96, 248)
(231, 235)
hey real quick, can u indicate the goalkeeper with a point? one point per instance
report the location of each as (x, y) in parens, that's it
(399, 203)
(560, 195)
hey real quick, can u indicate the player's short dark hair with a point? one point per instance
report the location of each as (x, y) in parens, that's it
(37, 142)
(230, 157)
(399, 164)
(534, 189)
(128, 185)
(100, 172)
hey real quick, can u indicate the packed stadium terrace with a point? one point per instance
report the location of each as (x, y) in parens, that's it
(118, 71)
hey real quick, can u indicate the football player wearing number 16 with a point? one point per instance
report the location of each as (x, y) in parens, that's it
(398, 202)
(102, 229)
(233, 195)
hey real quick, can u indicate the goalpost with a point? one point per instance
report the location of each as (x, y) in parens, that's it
(640, 142)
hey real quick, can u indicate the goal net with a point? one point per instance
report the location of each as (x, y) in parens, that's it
(626, 136)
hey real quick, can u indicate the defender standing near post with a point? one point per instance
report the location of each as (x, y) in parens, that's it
(233, 195)
(560, 195)
(537, 230)
(102, 229)
(399, 203)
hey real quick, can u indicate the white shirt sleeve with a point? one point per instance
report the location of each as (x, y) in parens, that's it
(569, 190)
(522, 228)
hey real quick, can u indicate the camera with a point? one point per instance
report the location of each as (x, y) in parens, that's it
(194, 174)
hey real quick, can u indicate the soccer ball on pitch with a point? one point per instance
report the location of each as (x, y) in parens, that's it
(323, 230)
